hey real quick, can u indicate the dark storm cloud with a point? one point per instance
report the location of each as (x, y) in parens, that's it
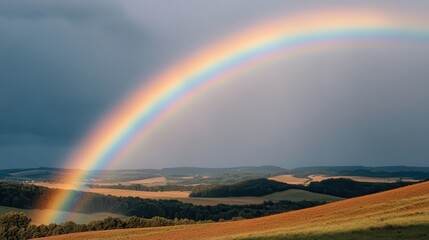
(62, 64)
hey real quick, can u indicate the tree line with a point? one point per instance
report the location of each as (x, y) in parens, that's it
(17, 226)
(30, 197)
(340, 187)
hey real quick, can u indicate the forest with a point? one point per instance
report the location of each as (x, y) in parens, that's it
(340, 187)
(29, 196)
(15, 226)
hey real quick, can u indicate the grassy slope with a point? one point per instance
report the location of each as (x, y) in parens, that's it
(290, 195)
(404, 210)
(300, 195)
(35, 214)
(388, 232)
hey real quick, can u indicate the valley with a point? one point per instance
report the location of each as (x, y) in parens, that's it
(400, 211)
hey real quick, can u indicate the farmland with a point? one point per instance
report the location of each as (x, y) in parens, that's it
(120, 192)
(148, 182)
(290, 179)
(291, 195)
(404, 211)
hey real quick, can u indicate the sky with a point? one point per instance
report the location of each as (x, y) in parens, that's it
(65, 64)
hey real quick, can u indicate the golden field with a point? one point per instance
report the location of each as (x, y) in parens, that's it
(290, 179)
(147, 181)
(121, 192)
(183, 196)
(403, 211)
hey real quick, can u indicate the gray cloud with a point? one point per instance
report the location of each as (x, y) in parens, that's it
(363, 105)
(63, 64)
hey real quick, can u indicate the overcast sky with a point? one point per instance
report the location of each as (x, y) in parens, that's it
(63, 64)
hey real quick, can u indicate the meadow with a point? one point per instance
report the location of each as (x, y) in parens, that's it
(291, 179)
(403, 211)
(183, 196)
(296, 195)
(120, 192)
(155, 181)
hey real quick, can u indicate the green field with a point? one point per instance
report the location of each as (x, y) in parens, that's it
(36, 214)
(296, 195)
(418, 231)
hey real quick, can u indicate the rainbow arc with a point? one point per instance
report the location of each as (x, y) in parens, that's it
(133, 120)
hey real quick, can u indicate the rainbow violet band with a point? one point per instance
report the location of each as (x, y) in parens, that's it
(132, 120)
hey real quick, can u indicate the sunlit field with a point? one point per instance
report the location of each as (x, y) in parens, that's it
(402, 211)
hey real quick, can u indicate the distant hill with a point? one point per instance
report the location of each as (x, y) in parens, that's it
(50, 174)
(186, 171)
(351, 168)
(29, 174)
(214, 175)
(420, 173)
(397, 214)
(340, 187)
(253, 187)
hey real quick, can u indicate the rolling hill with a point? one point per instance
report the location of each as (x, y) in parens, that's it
(300, 195)
(400, 213)
(115, 176)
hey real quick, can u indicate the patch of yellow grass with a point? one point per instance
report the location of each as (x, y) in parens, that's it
(289, 179)
(224, 200)
(156, 181)
(121, 192)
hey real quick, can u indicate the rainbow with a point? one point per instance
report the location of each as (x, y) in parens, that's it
(132, 120)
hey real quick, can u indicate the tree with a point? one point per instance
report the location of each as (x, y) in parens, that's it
(13, 225)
